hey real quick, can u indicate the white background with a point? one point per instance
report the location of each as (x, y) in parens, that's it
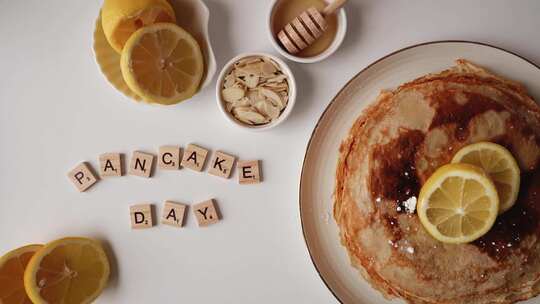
(56, 109)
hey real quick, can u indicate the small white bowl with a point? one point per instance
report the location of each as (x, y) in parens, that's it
(338, 39)
(290, 104)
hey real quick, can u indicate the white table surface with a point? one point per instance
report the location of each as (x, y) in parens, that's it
(56, 109)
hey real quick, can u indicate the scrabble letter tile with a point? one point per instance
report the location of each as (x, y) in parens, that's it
(206, 213)
(110, 164)
(141, 216)
(173, 214)
(82, 176)
(169, 158)
(249, 172)
(194, 157)
(221, 164)
(141, 164)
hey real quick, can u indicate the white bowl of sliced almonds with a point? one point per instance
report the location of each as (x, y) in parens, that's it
(256, 91)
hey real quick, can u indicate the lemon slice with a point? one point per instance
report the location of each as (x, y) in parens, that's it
(121, 18)
(162, 63)
(70, 271)
(12, 266)
(499, 164)
(458, 203)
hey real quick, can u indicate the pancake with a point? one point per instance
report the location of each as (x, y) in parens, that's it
(395, 145)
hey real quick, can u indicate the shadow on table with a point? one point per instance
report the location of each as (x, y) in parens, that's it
(114, 276)
(219, 31)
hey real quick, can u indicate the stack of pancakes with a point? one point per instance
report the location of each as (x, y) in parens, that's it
(395, 145)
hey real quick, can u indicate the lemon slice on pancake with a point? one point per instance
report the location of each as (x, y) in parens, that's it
(499, 164)
(458, 203)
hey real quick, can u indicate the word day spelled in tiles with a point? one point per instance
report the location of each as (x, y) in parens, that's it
(141, 164)
(221, 164)
(169, 157)
(82, 177)
(194, 157)
(110, 164)
(141, 216)
(249, 172)
(173, 214)
(206, 213)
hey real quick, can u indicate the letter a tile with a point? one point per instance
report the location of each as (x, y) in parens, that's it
(110, 164)
(173, 214)
(194, 157)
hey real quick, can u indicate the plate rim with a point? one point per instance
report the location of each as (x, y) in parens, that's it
(331, 103)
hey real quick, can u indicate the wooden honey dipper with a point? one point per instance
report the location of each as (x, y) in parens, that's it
(306, 28)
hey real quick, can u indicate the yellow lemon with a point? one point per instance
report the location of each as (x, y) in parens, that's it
(458, 203)
(12, 266)
(70, 270)
(499, 164)
(162, 63)
(121, 18)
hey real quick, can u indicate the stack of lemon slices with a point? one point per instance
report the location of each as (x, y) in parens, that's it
(460, 201)
(69, 270)
(160, 61)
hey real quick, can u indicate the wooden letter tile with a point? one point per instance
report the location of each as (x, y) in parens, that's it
(221, 164)
(169, 158)
(82, 176)
(141, 164)
(173, 214)
(206, 213)
(249, 172)
(141, 216)
(110, 164)
(194, 157)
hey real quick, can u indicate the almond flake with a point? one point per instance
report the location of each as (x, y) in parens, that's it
(273, 96)
(232, 94)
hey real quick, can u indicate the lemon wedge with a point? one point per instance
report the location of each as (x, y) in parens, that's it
(12, 266)
(499, 164)
(162, 63)
(458, 203)
(70, 271)
(121, 18)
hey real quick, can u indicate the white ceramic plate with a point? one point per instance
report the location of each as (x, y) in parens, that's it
(317, 181)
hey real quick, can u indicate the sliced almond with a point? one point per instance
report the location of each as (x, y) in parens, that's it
(230, 80)
(248, 115)
(277, 79)
(254, 96)
(242, 102)
(232, 94)
(268, 69)
(266, 108)
(274, 64)
(252, 81)
(276, 87)
(273, 97)
(247, 61)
